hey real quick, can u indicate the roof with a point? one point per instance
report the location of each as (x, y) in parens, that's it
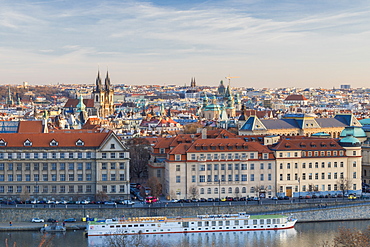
(30, 127)
(295, 97)
(64, 139)
(74, 102)
(309, 144)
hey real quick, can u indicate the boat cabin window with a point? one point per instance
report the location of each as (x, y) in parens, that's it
(273, 221)
(220, 223)
(245, 222)
(111, 226)
(206, 223)
(213, 223)
(254, 222)
(103, 226)
(118, 225)
(136, 225)
(278, 221)
(142, 225)
(129, 225)
(199, 223)
(268, 221)
(227, 223)
(152, 224)
(262, 222)
(236, 222)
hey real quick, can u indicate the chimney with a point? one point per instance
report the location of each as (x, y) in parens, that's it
(204, 133)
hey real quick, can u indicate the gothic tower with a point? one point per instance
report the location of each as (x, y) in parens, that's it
(103, 97)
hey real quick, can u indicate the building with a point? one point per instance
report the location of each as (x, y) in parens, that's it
(65, 165)
(307, 166)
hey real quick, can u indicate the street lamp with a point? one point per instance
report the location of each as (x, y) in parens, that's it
(299, 189)
(219, 192)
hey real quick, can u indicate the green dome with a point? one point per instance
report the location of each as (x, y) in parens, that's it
(365, 121)
(354, 131)
(349, 141)
(322, 134)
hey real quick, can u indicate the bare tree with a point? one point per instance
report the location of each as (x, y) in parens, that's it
(349, 238)
(155, 186)
(132, 241)
(192, 128)
(193, 191)
(25, 195)
(344, 185)
(139, 150)
(312, 189)
(101, 196)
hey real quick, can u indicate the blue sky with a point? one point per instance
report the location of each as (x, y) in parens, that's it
(266, 43)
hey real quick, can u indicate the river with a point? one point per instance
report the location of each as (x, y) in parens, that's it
(303, 235)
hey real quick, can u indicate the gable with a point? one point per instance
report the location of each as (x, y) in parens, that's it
(112, 144)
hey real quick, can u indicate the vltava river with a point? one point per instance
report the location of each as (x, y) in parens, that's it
(303, 235)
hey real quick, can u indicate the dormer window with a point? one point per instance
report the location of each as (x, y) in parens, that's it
(53, 143)
(27, 143)
(80, 143)
(3, 143)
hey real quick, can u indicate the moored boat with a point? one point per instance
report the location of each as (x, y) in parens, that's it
(201, 223)
(55, 227)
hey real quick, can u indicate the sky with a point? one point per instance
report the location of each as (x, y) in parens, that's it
(266, 43)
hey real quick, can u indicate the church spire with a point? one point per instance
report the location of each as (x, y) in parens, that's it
(98, 82)
(107, 82)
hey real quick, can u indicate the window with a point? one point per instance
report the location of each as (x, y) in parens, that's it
(244, 166)
(309, 176)
(62, 155)
(54, 189)
(71, 166)
(36, 166)
(19, 177)
(335, 175)
(281, 177)
(236, 167)
(10, 189)
(71, 177)
(121, 188)
(62, 177)
(62, 166)
(44, 166)
(10, 177)
(215, 167)
(202, 178)
(329, 175)
(53, 177)
(159, 173)
(316, 176)
(322, 175)
(79, 166)
(354, 175)
(209, 178)
(53, 155)
(209, 167)
(113, 189)
(244, 177)
(88, 188)
(113, 165)
(177, 168)
(1, 166)
(281, 165)
(269, 166)
(193, 179)
(121, 155)
(19, 189)
(261, 166)
(230, 178)
(262, 177)
(177, 157)
(79, 189)
(303, 165)
(44, 155)
(44, 177)
(237, 177)
(113, 177)
(10, 166)
(88, 177)
(229, 167)
(192, 157)
(88, 166)
(269, 177)
(28, 177)
(62, 189)
(354, 162)
(122, 177)
(252, 177)
(251, 166)
(104, 166)
(104, 177)
(223, 166)
(209, 191)
(288, 165)
(53, 166)
(310, 165)
(112, 155)
(303, 176)
(104, 155)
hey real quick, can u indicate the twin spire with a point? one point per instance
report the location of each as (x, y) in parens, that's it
(99, 85)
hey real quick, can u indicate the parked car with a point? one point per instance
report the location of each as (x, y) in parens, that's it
(256, 198)
(52, 220)
(37, 220)
(286, 198)
(210, 199)
(174, 200)
(194, 200)
(110, 203)
(70, 220)
(203, 200)
(128, 202)
(274, 198)
(151, 199)
(352, 197)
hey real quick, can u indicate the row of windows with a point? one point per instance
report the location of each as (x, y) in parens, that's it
(311, 176)
(47, 177)
(45, 166)
(113, 177)
(315, 165)
(215, 167)
(222, 178)
(229, 156)
(315, 188)
(313, 153)
(236, 190)
(59, 189)
(57, 155)
(112, 165)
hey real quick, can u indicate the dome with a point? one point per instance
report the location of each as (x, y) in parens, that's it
(349, 141)
(365, 121)
(355, 131)
(321, 134)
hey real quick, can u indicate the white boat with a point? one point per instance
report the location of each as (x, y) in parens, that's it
(201, 223)
(55, 227)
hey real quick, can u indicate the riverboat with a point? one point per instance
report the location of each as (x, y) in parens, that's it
(201, 223)
(55, 227)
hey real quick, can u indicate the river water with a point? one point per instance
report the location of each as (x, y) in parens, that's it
(303, 235)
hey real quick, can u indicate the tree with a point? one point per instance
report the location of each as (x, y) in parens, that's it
(312, 189)
(25, 195)
(155, 186)
(101, 196)
(193, 191)
(139, 150)
(350, 238)
(192, 128)
(344, 185)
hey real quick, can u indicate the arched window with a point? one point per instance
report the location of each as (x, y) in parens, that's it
(230, 190)
(252, 189)
(202, 190)
(244, 190)
(237, 190)
(209, 191)
(223, 190)
(216, 190)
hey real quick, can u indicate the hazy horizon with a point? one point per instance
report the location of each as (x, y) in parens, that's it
(268, 43)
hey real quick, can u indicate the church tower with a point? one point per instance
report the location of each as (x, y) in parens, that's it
(103, 96)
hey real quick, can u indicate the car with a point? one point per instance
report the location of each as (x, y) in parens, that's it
(194, 200)
(37, 220)
(174, 200)
(52, 220)
(314, 196)
(203, 200)
(110, 203)
(256, 198)
(210, 199)
(70, 220)
(274, 198)
(286, 198)
(128, 202)
(243, 198)
(352, 197)
(217, 199)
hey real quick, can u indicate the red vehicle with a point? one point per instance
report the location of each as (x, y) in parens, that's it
(151, 199)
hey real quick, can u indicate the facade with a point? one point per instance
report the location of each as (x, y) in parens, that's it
(69, 165)
(218, 168)
(307, 166)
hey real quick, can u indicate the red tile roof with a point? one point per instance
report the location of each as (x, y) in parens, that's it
(30, 127)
